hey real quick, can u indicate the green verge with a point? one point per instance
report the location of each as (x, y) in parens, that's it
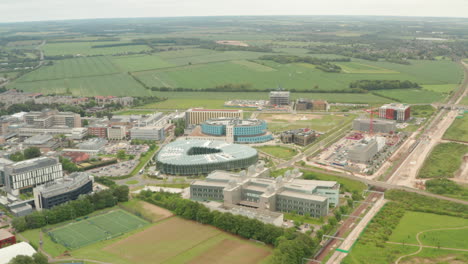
(458, 130)
(444, 160)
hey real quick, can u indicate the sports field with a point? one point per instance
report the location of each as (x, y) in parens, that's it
(97, 228)
(458, 130)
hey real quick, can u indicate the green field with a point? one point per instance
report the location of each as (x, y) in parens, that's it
(322, 123)
(412, 96)
(299, 76)
(412, 223)
(185, 100)
(120, 84)
(354, 67)
(458, 130)
(279, 151)
(72, 68)
(94, 229)
(85, 48)
(444, 160)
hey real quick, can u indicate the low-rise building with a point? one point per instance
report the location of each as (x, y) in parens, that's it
(76, 157)
(237, 130)
(302, 136)
(6, 238)
(116, 132)
(398, 112)
(148, 133)
(98, 130)
(378, 126)
(92, 144)
(196, 116)
(279, 98)
(62, 190)
(254, 189)
(314, 105)
(363, 151)
(45, 143)
(10, 252)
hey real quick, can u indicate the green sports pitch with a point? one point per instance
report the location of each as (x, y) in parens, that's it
(96, 228)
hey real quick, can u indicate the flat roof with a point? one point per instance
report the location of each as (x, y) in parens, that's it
(8, 253)
(303, 195)
(31, 164)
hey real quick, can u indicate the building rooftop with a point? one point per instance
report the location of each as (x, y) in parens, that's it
(38, 139)
(8, 253)
(73, 181)
(32, 164)
(301, 195)
(279, 93)
(179, 152)
(5, 234)
(233, 121)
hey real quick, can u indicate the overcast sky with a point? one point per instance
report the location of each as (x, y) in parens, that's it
(33, 10)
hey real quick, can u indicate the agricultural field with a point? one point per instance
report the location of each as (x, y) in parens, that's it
(72, 68)
(411, 96)
(86, 48)
(458, 130)
(444, 160)
(281, 152)
(185, 100)
(96, 228)
(120, 84)
(322, 123)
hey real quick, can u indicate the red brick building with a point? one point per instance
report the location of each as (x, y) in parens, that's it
(98, 131)
(6, 238)
(76, 157)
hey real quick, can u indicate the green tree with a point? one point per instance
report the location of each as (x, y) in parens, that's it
(121, 154)
(32, 152)
(17, 156)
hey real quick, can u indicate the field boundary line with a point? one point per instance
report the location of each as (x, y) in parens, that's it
(426, 246)
(78, 77)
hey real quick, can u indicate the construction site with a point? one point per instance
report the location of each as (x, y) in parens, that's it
(364, 149)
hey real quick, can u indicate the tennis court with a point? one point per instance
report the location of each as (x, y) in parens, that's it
(97, 228)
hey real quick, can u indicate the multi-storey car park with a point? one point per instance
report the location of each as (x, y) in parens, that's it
(237, 130)
(194, 157)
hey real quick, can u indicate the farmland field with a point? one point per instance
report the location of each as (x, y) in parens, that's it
(412, 96)
(444, 160)
(85, 48)
(72, 68)
(176, 240)
(184, 100)
(120, 84)
(458, 130)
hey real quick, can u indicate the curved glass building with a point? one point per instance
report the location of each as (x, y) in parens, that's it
(195, 156)
(240, 131)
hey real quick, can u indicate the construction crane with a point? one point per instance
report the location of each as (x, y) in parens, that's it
(372, 111)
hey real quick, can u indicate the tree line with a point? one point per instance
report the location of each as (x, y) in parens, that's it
(222, 47)
(383, 84)
(290, 246)
(322, 64)
(83, 206)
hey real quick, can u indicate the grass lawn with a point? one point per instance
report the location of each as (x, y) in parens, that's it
(444, 160)
(464, 101)
(458, 130)
(279, 151)
(425, 111)
(303, 219)
(411, 224)
(347, 185)
(440, 88)
(131, 182)
(366, 252)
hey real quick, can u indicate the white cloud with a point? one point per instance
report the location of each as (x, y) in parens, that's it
(30, 10)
